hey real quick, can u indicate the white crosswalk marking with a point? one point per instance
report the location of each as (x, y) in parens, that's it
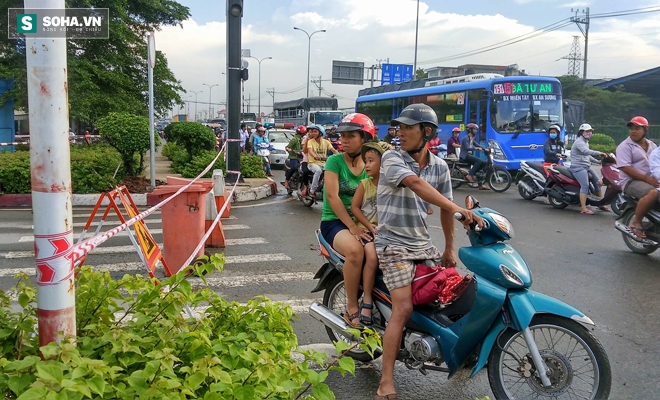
(30, 238)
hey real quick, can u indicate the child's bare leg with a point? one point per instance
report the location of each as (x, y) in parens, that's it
(369, 275)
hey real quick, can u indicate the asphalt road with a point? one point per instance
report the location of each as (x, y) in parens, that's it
(578, 259)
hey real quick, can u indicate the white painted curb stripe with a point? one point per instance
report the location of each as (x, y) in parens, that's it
(254, 240)
(245, 280)
(138, 266)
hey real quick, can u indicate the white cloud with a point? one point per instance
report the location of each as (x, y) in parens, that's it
(371, 30)
(575, 4)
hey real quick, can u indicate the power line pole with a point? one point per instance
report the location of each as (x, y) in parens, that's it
(318, 83)
(271, 92)
(579, 21)
(574, 57)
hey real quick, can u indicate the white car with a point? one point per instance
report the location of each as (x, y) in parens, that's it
(279, 139)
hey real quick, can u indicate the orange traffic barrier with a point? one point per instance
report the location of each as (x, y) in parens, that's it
(183, 221)
(145, 245)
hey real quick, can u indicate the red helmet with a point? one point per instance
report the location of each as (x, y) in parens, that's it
(358, 122)
(301, 129)
(639, 121)
(455, 130)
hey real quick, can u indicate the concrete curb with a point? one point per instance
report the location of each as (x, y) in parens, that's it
(144, 199)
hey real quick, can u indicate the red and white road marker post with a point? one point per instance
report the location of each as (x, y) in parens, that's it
(50, 165)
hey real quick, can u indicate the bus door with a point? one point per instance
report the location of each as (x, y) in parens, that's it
(477, 114)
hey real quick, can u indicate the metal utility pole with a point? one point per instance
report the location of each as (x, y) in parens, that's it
(259, 101)
(235, 75)
(151, 52)
(271, 92)
(309, 48)
(579, 21)
(416, 36)
(50, 166)
(210, 91)
(195, 93)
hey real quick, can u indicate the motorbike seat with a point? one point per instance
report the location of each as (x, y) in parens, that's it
(565, 171)
(537, 166)
(333, 253)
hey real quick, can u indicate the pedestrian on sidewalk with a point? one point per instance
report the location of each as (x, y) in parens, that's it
(244, 136)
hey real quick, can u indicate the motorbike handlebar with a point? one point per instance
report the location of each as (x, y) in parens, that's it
(473, 226)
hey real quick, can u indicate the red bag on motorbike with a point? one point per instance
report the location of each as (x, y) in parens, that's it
(430, 283)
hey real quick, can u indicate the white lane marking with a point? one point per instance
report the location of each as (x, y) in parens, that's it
(246, 280)
(138, 266)
(250, 258)
(265, 204)
(234, 227)
(254, 240)
(89, 235)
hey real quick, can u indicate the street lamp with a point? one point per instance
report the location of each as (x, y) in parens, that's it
(309, 46)
(416, 35)
(195, 93)
(259, 100)
(210, 90)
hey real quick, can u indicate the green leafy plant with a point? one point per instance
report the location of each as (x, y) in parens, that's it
(251, 166)
(136, 340)
(92, 169)
(192, 136)
(129, 134)
(602, 142)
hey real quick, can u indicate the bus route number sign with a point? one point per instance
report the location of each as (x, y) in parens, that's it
(515, 88)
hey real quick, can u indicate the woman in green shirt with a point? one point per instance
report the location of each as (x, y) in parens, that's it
(343, 173)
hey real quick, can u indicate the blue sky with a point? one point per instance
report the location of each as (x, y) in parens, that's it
(369, 30)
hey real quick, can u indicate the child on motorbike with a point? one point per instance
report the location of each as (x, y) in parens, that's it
(363, 207)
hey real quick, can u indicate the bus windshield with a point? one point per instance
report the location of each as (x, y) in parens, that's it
(327, 117)
(526, 107)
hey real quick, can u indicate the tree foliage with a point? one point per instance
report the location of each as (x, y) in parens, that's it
(421, 74)
(602, 106)
(129, 134)
(193, 136)
(106, 75)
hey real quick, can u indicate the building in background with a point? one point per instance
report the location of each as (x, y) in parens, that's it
(471, 69)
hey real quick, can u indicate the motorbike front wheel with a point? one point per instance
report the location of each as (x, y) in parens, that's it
(633, 245)
(577, 363)
(524, 193)
(499, 180)
(334, 298)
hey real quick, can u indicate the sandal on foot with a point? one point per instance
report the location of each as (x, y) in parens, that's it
(348, 318)
(391, 396)
(587, 212)
(364, 319)
(637, 231)
(604, 208)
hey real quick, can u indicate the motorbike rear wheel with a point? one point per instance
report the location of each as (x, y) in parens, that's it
(633, 245)
(334, 298)
(558, 204)
(499, 180)
(523, 192)
(576, 360)
(617, 204)
(456, 178)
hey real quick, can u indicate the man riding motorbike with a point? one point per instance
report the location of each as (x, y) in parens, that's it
(468, 147)
(294, 148)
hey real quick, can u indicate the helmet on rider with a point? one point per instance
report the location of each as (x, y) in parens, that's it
(639, 121)
(301, 130)
(319, 128)
(556, 128)
(358, 122)
(380, 147)
(419, 114)
(456, 130)
(472, 128)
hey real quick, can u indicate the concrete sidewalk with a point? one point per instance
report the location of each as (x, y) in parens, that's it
(249, 190)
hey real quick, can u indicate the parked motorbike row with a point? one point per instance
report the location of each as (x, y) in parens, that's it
(532, 345)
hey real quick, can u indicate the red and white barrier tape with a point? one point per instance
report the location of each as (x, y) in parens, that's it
(82, 248)
(12, 144)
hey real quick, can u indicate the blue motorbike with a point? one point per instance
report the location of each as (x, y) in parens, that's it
(533, 346)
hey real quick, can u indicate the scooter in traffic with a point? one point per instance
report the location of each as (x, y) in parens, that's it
(613, 193)
(263, 150)
(304, 195)
(532, 345)
(531, 180)
(650, 225)
(497, 177)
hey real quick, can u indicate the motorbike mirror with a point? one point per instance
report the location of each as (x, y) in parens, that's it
(471, 202)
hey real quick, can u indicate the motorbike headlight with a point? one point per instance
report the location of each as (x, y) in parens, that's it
(278, 151)
(497, 152)
(503, 223)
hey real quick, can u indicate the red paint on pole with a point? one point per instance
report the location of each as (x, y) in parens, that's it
(44, 89)
(53, 321)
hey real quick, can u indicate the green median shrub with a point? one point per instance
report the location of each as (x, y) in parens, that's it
(251, 166)
(92, 170)
(136, 341)
(602, 142)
